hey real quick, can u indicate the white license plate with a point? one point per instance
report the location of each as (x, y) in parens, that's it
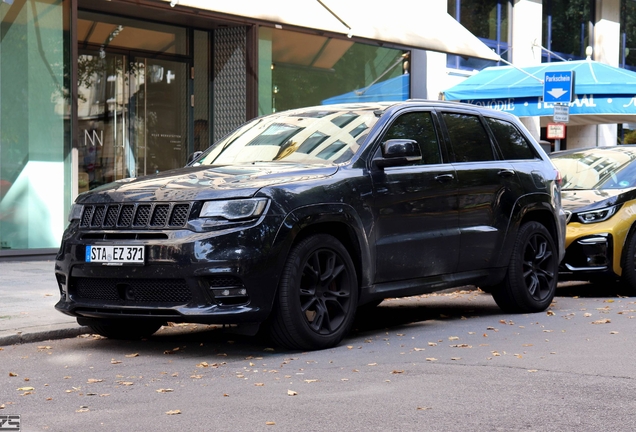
(115, 255)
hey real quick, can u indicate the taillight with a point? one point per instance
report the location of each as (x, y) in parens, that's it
(559, 179)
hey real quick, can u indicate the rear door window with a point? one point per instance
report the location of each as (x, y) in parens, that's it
(469, 139)
(512, 143)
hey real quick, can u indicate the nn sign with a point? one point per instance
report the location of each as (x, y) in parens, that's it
(558, 87)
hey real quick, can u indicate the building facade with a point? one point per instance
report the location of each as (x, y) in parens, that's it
(93, 91)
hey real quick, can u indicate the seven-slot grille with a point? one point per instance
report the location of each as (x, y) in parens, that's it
(135, 215)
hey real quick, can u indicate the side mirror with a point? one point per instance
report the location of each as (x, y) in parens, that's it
(397, 152)
(193, 157)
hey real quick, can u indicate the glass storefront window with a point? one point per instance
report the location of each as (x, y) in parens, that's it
(132, 106)
(628, 34)
(298, 70)
(488, 20)
(566, 28)
(34, 124)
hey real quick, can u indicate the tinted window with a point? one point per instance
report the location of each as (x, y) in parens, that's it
(417, 126)
(468, 137)
(511, 141)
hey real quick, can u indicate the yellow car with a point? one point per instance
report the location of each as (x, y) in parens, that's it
(599, 195)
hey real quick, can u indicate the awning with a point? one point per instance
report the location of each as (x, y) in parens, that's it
(397, 22)
(603, 93)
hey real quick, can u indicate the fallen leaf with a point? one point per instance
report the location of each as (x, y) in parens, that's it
(431, 359)
(496, 354)
(424, 408)
(82, 410)
(419, 349)
(532, 370)
(372, 364)
(94, 380)
(291, 393)
(27, 379)
(203, 365)
(550, 313)
(609, 301)
(456, 358)
(164, 390)
(397, 372)
(132, 355)
(613, 332)
(196, 376)
(432, 344)
(113, 361)
(452, 338)
(44, 347)
(173, 412)
(259, 384)
(461, 346)
(26, 389)
(126, 383)
(270, 423)
(602, 321)
(311, 380)
(13, 374)
(226, 395)
(349, 347)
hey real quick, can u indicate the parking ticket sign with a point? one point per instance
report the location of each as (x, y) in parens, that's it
(558, 87)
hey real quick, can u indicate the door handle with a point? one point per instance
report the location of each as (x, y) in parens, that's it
(444, 177)
(506, 173)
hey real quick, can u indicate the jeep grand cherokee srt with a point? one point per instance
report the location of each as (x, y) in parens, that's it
(296, 219)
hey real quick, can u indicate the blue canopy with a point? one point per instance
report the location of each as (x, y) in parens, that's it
(603, 93)
(393, 89)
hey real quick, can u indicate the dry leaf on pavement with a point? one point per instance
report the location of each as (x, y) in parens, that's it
(132, 355)
(164, 390)
(291, 393)
(602, 321)
(173, 412)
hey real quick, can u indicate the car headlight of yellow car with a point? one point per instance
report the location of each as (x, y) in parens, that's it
(600, 215)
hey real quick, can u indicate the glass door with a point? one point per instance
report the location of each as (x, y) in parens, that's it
(133, 117)
(159, 114)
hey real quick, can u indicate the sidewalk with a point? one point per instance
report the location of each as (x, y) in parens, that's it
(28, 293)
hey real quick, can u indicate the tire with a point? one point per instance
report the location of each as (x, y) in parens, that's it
(124, 329)
(532, 276)
(317, 295)
(628, 277)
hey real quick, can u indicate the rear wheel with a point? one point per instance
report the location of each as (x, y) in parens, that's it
(317, 295)
(122, 329)
(531, 279)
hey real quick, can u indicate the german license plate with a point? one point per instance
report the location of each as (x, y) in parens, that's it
(115, 255)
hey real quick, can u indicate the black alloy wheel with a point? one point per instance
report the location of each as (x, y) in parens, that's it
(317, 296)
(530, 283)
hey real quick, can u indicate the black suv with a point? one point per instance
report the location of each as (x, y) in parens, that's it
(296, 219)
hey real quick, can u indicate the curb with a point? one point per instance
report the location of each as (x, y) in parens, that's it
(42, 335)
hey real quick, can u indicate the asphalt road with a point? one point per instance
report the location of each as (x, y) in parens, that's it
(445, 362)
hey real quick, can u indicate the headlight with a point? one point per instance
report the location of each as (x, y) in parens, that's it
(599, 215)
(234, 209)
(76, 212)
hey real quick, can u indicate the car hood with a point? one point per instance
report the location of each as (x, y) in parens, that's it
(582, 200)
(205, 182)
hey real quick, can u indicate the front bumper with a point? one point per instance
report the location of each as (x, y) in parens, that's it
(588, 255)
(212, 278)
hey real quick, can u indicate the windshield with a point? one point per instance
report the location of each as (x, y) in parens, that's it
(612, 168)
(309, 136)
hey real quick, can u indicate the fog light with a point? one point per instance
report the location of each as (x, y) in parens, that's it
(230, 292)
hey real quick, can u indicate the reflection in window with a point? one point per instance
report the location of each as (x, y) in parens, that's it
(344, 119)
(276, 134)
(358, 130)
(312, 142)
(468, 137)
(331, 150)
(512, 143)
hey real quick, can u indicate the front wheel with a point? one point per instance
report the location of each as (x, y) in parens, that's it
(317, 295)
(531, 279)
(628, 277)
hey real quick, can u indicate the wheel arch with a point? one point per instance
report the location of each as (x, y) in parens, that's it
(338, 220)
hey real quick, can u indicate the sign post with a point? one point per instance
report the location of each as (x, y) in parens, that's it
(556, 131)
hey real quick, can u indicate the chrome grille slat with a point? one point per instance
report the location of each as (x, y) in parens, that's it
(135, 216)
